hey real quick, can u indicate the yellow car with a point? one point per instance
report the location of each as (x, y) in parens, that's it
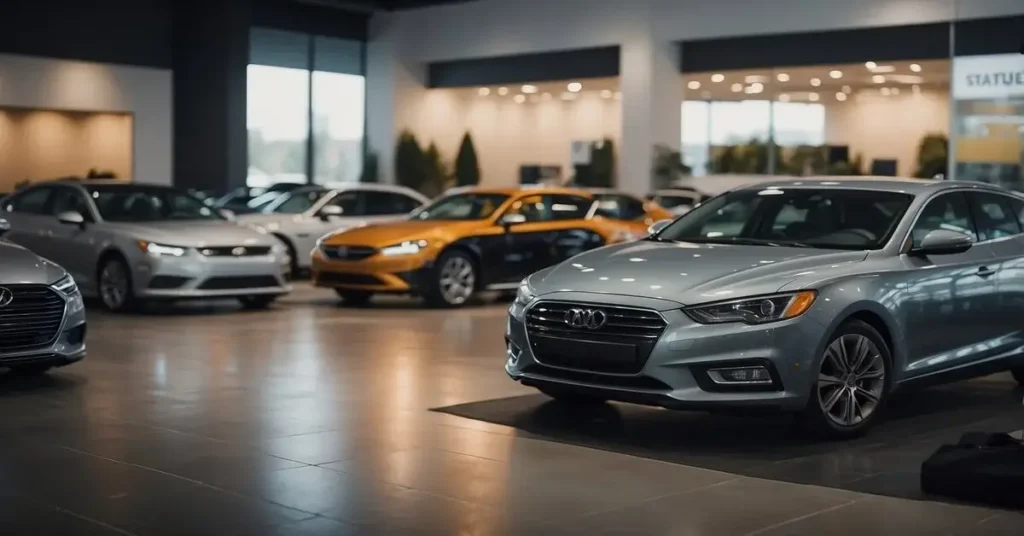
(628, 210)
(466, 241)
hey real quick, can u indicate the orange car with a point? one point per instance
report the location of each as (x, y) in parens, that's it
(463, 242)
(629, 211)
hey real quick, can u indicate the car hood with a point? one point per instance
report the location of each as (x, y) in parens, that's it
(21, 266)
(194, 234)
(384, 234)
(688, 273)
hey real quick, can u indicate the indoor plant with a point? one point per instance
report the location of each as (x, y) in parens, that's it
(467, 169)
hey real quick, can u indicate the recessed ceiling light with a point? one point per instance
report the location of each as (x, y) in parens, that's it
(813, 97)
(755, 88)
(840, 96)
(502, 91)
(606, 93)
(847, 89)
(737, 87)
(750, 79)
(878, 79)
(784, 97)
(915, 67)
(782, 77)
(717, 77)
(815, 82)
(574, 87)
(529, 89)
(884, 69)
(519, 99)
(871, 65)
(484, 91)
(836, 74)
(693, 84)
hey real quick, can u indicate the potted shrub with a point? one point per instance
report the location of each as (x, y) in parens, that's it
(467, 169)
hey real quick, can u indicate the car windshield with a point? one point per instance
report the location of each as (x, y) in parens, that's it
(296, 202)
(135, 203)
(673, 201)
(797, 217)
(468, 206)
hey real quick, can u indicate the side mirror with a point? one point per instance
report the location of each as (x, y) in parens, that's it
(4, 227)
(658, 226)
(71, 217)
(508, 220)
(943, 242)
(331, 211)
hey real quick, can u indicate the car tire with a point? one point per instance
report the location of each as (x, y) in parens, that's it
(32, 370)
(293, 261)
(257, 302)
(853, 380)
(453, 281)
(114, 282)
(354, 298)
(1018, 374)
(570, 397)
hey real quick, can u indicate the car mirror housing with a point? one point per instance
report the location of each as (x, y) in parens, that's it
(943, 242)
(331, 211)
(227, 214)
(658, 226)
(71, 217)
(509, 220)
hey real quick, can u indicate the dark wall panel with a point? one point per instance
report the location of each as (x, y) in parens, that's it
(989, 36)
(129, 33)
(308, 18)
(546, 66)
(918, 42)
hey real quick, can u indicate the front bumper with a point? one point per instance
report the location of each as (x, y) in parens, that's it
(67, 348)
(197, 276)
(404, 274)
(674, 374)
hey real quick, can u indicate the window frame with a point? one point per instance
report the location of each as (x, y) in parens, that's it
(90, 213)
(585, 202)
(370, 192)
(12, 199)
(1004, 202)
(908, 238)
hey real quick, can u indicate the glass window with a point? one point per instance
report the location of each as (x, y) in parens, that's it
(568, 207)
(620, 207)
(339, 98)
(296, 202)
(947, 211)
(828, 218)
(131, 203)
(30, 201)
(1017, 208)
(993, 216)
(532, 208)
(671, 201)
(696, 141)
(69, 200)
(468, 206)
(387, 203)
(278, 124)
(798, 123)
(352, 203)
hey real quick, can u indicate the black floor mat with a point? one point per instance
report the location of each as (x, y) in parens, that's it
(885, 462)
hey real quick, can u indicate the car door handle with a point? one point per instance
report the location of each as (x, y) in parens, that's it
(985, 271)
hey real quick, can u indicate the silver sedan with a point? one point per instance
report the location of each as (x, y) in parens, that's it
(819, 297)
(300, 217)
(125, 243)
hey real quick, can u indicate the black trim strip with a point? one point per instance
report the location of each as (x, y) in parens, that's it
(595, 62)
(979, 37)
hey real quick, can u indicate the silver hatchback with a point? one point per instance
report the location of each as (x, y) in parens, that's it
(127, 243)
(818, 296)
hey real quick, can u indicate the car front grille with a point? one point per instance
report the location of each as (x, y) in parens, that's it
(239, 282)
(235, 251)
(621, 345)
(348, 253)
(32, 318)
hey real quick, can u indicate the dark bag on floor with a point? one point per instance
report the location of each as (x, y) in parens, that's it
(984, 468)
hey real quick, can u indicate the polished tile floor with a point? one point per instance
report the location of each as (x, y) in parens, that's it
(314, 419)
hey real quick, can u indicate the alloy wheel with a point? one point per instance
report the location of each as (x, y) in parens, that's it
(458, 280)
(851, 381)
(113, 285)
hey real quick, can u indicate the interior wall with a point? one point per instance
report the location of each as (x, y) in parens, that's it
(887, 127)
(143, 92)
(507, 135)
(41, 144)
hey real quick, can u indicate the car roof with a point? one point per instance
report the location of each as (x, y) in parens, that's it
(889, 184)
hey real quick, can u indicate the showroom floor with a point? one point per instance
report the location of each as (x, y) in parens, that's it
(316, 419)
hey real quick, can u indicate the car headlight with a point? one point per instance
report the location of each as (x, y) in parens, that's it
(161, 250)
(67, 286)
(759, 310)
(410, 247)
(525, 294)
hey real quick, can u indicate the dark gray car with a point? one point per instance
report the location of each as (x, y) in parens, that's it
(42, 317)
(817, 296)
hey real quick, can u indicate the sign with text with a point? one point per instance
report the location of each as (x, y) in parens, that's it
(988, 77)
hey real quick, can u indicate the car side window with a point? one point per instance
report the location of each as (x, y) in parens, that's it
(620, 207)
(29, 202)
(993, 215)
(352, 203)
(1017, 208)
(947, 211)
(632, 208)
(68, 200)
(532, 208)
(389, 203)
(568, 207)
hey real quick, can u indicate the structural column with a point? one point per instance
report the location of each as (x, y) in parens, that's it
(651, 107)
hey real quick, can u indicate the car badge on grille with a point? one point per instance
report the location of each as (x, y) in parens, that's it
(341, 251)
(239, 251)
(6, 297)
(586, 318)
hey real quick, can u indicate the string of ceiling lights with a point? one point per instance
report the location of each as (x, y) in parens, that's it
(531, 93)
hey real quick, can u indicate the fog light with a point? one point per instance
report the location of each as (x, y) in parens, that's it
(741, 375)
(513, 352)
